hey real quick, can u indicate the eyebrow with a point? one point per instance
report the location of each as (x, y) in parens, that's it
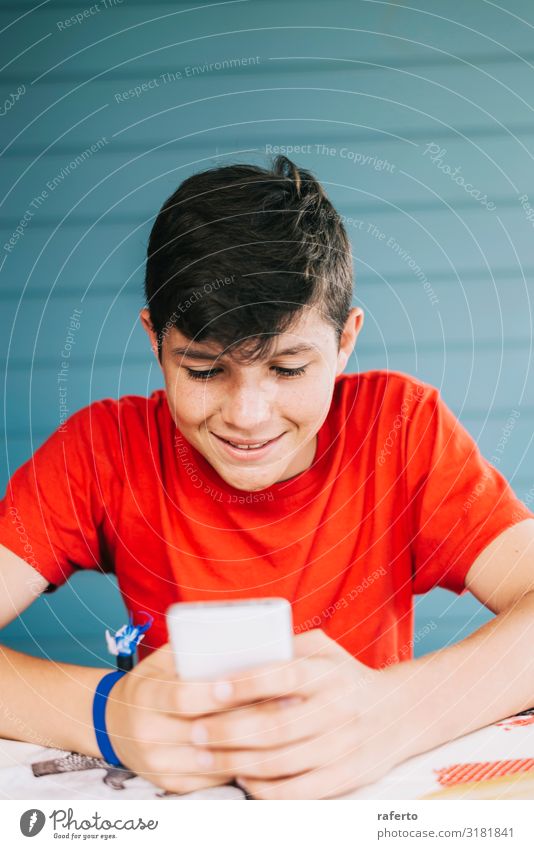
(198, 354)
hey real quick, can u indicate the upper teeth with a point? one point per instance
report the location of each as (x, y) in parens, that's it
(246, 447)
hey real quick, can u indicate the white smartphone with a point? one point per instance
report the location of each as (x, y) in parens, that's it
(211, 639)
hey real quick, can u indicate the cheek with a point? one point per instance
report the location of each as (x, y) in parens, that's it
(310, 398)
(315, 405)
(182, 400)
(189, 405)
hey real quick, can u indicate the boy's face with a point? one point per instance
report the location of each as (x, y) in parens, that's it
(213, 398)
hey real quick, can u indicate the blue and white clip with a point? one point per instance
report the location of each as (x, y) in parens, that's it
(123, 643)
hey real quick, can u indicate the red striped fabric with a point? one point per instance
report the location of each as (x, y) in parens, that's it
(462, 773)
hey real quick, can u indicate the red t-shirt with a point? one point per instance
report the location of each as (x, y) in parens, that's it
(398, 500)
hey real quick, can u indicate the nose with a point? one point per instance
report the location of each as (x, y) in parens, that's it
(247, 405)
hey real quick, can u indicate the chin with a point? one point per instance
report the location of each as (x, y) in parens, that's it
(248, 485)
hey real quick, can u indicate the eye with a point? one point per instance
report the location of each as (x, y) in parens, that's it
(289, 372)
(210, 373)
(201, 375)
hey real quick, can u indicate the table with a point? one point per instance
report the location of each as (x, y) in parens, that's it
(494, 762)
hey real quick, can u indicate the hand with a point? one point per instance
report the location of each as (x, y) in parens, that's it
(149, 718)
(318, 726)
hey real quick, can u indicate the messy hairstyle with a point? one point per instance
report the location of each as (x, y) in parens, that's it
(238, 251)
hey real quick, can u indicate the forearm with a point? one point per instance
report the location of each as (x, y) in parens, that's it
(479, 680)
(48, 703)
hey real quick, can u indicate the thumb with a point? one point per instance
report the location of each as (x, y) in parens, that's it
(160, 660)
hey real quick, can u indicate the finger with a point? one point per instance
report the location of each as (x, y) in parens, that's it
(158, 687)
(158, 732)
(180, 764)
(260, 683)
(303, 756)
(176, 765)
(266, 725)
(354, 768)
(299, 677)
(324, 783)
(204, 782)
(166, 696)
(183, 784)
(200, 698)
(190, 699)
(186, 699)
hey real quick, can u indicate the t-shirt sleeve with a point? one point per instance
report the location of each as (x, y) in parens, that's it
(57, 510)
(458, 501)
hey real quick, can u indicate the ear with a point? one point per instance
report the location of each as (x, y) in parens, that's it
(351, 331)
(144, 317)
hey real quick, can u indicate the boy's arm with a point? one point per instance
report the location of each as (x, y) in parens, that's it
(20, 584)
(490, 674)
(149, 713)
(42, 701)
(48, 703)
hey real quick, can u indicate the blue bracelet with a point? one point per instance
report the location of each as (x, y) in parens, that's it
(99, 716)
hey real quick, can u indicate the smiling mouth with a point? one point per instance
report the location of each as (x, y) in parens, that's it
(248, 446)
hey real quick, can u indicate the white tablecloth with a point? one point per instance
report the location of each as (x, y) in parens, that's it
(28, 771)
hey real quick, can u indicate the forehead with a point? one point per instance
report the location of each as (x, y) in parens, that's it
(310, 330)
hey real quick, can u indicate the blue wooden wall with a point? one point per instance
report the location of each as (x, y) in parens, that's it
(418, 120)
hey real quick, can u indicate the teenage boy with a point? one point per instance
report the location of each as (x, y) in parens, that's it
(263, 470)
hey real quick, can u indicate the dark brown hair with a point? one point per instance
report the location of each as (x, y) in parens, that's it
(238, 251)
